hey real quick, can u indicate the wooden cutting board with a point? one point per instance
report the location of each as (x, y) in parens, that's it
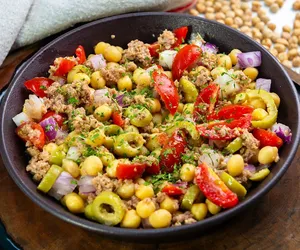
(274, 223)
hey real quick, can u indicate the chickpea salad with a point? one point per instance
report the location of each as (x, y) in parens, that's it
(152, 135)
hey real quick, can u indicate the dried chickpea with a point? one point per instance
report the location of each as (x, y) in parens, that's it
(282, 56)
(286, 28)
(296, 32)
(210, 16)
(225, 8)
(272, 26)
(296, 24)
(260, 25)
(221, 21)
(248, 12)
(265, 18)
(238, 21)
(244, 29)
(201, 8)
(239, 12)
(274, 7)
(217, 6)
(297, 17)
(261, 12)
(208, 4)
(292, 54)
(230, 13)
(256, 6)
(267, 42)
(220, 15)
(228, 21)
(244, 6)
(255, 20)
(293, 40)
(296, 5)
(268, 2)
(293, 46)
(274, 37)
(279, 47)
(194, 12)
(273, 51)
(296, 61)
(286, 35)
(280, 3)
(210, 10)
(287, 63)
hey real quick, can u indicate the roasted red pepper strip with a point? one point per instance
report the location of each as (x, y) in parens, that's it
(267, 138)
(80, 53)
(208, 95)
(117, 119)
(172, 150)
(130, 170)
(180, 34)
(64, 67)
(232, 111)
(165, 87)
(214, 188)
(59, 118)
(185, 57)
(214, 131)
(172, 190)
(26, 135)
(38, 85)
(154, 49)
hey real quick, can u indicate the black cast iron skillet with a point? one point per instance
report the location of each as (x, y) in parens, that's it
(143, 26)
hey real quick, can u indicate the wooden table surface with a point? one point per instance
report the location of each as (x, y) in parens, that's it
(274, 223)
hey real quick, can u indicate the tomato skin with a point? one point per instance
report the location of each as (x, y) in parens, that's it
(185, 57)
(80, 53)
(214, 188)
(232, 111)
(154, 49)
(117, 119)
(167, 91)
(208, 95)
(180, 34)
(172, 190)
(64, 67)
(172, 150)
(130, 170)
(59, 118)
(211, 130)
(267, 138)
(38, 85)
(39, 141)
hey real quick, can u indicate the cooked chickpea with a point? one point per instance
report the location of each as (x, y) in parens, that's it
(153, 104)
(51, 147)
(160, 218)
(97, 81)
(187, 172)
(74, 203)
(100, 47)
(131, 219)
(225, 61)
(141, 78)
(143, 192)
(276, 99)
(126, 190)
(233, 56)
(235, 165)
(157, 119)
(112, 54)
(252, 73)
(169, 204)
(82, 77)
(212, 207)
(111, 169)
(71, 167)
(145, 208)
(216, 72)
(257, 103)
(267, 155)
(125, 83)
(103, 113)
(259, 114)
(199, 210)
(92, 165)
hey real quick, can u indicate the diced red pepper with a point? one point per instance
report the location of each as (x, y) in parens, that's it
(232, 111)
(267, 138)
(59, 118)
(167, 90)
(206, 101)
(172, 150)
(38, 140)
(180, 34)
(64, 67)
(214, 188)
(130, 170)
(172, 190)
(117, 119)
(153, 169)
(80, 53)
(154, 49)
(185, 57)
(38, 85)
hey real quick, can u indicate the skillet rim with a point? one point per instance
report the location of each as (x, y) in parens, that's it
(146, 234)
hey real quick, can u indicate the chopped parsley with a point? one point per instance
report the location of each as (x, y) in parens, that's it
(73, 101)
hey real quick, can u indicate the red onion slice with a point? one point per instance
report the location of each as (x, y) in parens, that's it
(210, 48)
(251, 168)
(97, 62)
(249, 59)
(61, 135)
(283, 131)
(50, 127)
(101, 96)
(64, 185)
(181, 184)
(262, 83)
(85, 185)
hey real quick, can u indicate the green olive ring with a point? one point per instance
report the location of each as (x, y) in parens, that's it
(123, 144)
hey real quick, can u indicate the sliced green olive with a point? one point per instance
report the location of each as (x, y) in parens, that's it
(234, 146)
(188, 126)
(260, 175)
(129, 144)
(108, 208)
(233, 184)
(50, 178)
(57, 156)
(138, 115)
(88, 212)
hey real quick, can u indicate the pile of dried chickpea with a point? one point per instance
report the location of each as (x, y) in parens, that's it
(251, 19)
